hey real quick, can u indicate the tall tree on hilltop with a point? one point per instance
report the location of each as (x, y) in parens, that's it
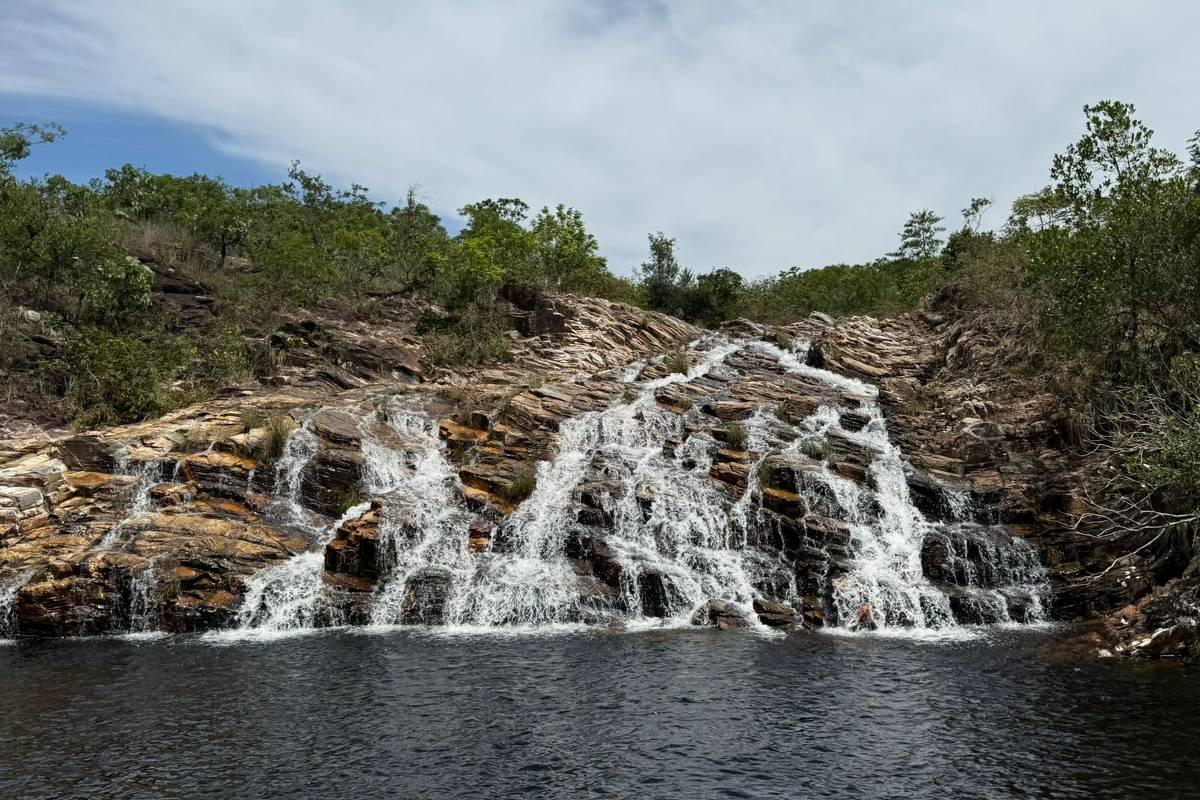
(920, 238)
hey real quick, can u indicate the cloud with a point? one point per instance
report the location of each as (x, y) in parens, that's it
(761, 135)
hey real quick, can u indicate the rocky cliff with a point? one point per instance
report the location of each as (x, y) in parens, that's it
(166, 524)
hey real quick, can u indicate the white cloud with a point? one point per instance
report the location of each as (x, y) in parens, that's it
(761, 135)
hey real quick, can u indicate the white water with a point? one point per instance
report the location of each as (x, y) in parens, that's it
(143, 604)
(686, 536)
(423, 526)
(8, 596)
(149, 475)
(672, 525)
(888, 531)
(287, 597)
(300, 448)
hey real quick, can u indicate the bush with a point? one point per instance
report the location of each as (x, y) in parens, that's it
(115, 378)
(734, 435)
(474, 336)
(676, 361)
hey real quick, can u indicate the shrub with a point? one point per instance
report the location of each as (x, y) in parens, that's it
(115, 378)
(734, 435)
(475, 336)
(676, 361)
(279, 426)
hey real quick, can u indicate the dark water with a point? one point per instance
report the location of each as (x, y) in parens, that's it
(665, 714)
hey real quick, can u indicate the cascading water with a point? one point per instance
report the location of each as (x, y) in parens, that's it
(287, 596)
(143, 604)
(299, 449)
(423, 532)
(887, 579)
(148, 474)
(8, 595)
(677, 540)
(685, 538)
(885, 573)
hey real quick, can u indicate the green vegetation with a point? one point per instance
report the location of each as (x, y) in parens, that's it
(1092, 284)
(734, 435)
(676, 361)
(77, 273)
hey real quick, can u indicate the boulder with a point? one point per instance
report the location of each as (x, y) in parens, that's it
(657, 594)
(776, 615)
(425, 597)
(721, 614)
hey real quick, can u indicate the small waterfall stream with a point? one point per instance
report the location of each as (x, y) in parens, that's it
(8, 596)
(286, 597)
(148, 474)
(532, 583)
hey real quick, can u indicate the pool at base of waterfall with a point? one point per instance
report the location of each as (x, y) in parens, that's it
(374, 713)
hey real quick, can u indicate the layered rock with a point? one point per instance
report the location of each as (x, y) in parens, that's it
(159, 524)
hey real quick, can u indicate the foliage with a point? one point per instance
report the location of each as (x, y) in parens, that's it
(111, 378)
(473, 336)
(920, 236)
(78, 254)
(734, 434)
(676, 361)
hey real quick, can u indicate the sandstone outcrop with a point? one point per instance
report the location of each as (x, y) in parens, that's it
(161, 524)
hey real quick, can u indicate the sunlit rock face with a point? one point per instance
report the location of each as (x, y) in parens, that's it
(626, 469)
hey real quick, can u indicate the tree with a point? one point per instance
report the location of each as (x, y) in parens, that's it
(416, 232)
(564, 251)
(1118, 238)
(973, 213)
(919, 239)
(714, 298)
(662, 277)
(16, 142)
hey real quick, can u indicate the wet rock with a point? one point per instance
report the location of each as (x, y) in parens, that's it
(87, 453)
(657, 594)
(425, 597)
(336, 427)
(330, 482)
(594, 557)
(776, 615)
(354, 549)
(975, 607)
(722, 614)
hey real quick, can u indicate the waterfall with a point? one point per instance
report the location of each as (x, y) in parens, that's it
(886, 572)
(300, 448)
(287, 597)
(8, 596)
(423, 531)
(143, 604)
(888, 534)
(533, 583)
(664, 537)
(148, 474)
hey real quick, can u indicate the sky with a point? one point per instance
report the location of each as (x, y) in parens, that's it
(761, 135)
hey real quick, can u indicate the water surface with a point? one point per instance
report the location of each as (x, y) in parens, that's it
(412, 713)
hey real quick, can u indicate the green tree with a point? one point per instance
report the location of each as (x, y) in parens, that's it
(920, 238)
(715, 297)
(1117, 239)
(565, 253)
(17, 141)
(662, 277)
